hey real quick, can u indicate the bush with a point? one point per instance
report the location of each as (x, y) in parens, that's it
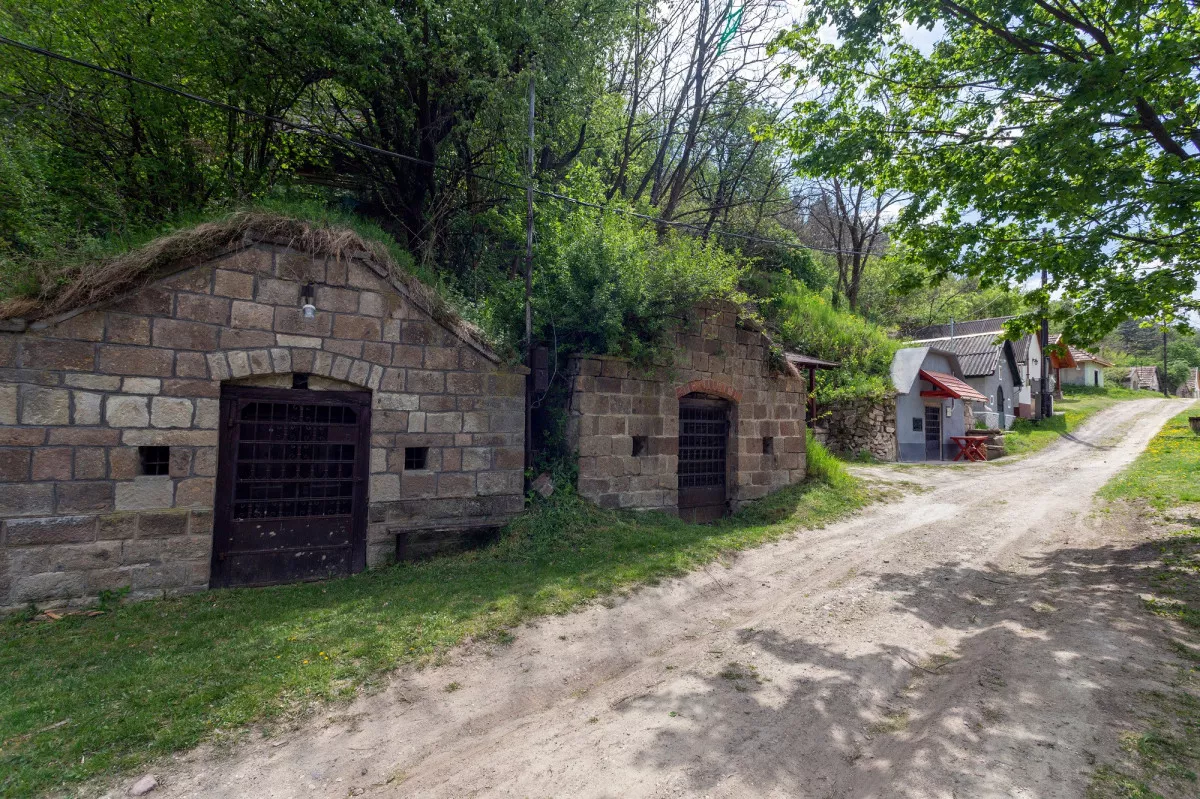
(609, 286)
(808, 323)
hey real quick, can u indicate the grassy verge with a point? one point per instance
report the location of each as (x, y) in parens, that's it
(83, 697)
(1163, 757)
(1078, 404)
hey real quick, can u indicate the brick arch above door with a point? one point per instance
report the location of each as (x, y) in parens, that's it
(709, 386)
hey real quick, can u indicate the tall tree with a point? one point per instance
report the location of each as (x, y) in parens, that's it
(1056, 134)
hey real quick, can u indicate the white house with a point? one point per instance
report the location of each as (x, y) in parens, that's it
(990, 367)
(1088, 369)
(931, 393)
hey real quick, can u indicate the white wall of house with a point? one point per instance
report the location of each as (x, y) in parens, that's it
(1088, 373)
(1001, 393)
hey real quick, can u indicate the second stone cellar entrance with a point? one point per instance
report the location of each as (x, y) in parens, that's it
(704, 428)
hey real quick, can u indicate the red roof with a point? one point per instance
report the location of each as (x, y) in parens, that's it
(952, 386)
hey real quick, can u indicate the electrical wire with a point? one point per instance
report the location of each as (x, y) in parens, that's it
(351, 143)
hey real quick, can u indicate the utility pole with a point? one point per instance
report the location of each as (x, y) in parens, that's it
(1046, 401)
(529, 283)
(1164, 380)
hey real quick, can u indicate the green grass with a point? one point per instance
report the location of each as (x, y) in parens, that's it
(1078, 404)
(1164, 756)
(1167, 473)
(86, 697)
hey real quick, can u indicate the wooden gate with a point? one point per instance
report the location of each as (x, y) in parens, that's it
(291, 493)
(703, 465)
(933, 432)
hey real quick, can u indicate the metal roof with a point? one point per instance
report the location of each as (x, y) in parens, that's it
(1077, 354)
(971, 327)
(979, 355)
(809, 362)
(952, 386)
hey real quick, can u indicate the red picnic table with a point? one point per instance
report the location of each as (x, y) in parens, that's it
(973, 448)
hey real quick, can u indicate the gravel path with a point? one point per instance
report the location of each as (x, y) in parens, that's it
(976, 637)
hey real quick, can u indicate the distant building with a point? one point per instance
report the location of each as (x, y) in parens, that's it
(931, 397)
(1190, 388)
(990, 367)
(1143, 377)
(1087, 371)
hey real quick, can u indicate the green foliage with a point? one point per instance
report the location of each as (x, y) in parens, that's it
(1031, 136)
(84, 697)
(808, 323)
(608, 286)
(1165, 473)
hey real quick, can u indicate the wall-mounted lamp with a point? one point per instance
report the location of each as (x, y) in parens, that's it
(306, 296)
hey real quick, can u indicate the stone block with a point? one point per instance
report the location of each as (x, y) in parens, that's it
(252, 315)
(77, 356)
(443, 422)
(456, 485)
(141, 385)
(54, 530)
(121, 360)
(228, 283)
(235, 339)
(501, 482)
(359, 328)
(146, 493)
(162, 525)
(239, 364)
(68, 557)
(14, 465)
(85, 497)
(8, 404)
(327, 298)
(385, 487)
(201, 522)
(123, 463)
(117, 526)
(302, 267)
(476, 459)
(52, 463)
(50, 585)
(208, 414)
(127, 329)
(278, 292)
(203, 308)
(425, 382)
(309, 342)
(281, 360)
(191, 365)
(127, 411)
(353, 349)
(196, 492)
(86, 408)
(464, 383)
(148, 302)
(260, 362)
(46, 406)
(184, 335)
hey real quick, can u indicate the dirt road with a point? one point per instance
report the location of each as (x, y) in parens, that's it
(975, 638)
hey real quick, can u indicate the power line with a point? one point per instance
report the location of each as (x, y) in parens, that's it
(347, 142)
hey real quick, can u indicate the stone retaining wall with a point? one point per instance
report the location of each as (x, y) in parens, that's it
(80, 395)
(855, 426)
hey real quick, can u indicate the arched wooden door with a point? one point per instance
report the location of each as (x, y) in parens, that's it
(704, 479)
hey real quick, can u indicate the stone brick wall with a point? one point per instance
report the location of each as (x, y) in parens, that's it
(79, 394)
(863, 425)
(613, 401)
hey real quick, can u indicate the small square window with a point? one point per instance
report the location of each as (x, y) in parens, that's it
(154, 460)
(415, 458)
(639, 446)
(918, 424)
(768, 445)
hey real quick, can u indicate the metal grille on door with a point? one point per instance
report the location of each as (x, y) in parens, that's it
(703, 439)
(291, 489)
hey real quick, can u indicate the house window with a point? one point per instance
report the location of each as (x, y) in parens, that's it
(640, 444)
(154, 460)
(415, 458)
(918, 424)
(768, 445)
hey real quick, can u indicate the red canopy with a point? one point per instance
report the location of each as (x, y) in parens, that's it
(949, 386)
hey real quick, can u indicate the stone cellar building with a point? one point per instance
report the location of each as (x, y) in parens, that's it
(249, 402)
(722, 423)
